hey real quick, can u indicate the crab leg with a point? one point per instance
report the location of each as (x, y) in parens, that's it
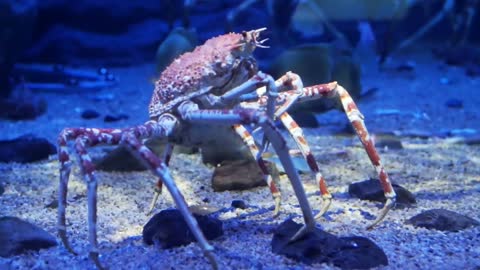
(250, 142)
(167, 154)
(190, 112)
(161, 170)
(297, 134)
(84, 137)
(356, 119)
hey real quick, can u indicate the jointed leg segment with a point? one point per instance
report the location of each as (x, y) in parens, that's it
(333, 90)
(297, 135)
(257, 155)
(190, 112)
(131, 138)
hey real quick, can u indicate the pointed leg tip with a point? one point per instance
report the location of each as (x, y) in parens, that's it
(95, 258)
(63, 236)
(388, 205)
(327, 201)
(276, 211)
(211, 257)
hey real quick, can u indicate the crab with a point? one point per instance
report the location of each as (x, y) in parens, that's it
(218, 83)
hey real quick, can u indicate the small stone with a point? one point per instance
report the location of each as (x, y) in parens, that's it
(442, 220)
(18, 236)
(90, 114)
(53, 204)
(203, 209)
(371, 190)
(120, 160)
(237, 175)
(26, 148)
(168, 229)
(454, 103)
(391, 143)
(240, 204)
(114, 118)
(321, 247)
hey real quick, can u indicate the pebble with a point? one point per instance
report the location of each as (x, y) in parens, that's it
(237, 175)
(114, 118)
(454, 103)
(18, 236)
(240, 204)
(442, 220)
(351, 252)
(168, 229)
(90, 114)
(25, 149)
(371, 190)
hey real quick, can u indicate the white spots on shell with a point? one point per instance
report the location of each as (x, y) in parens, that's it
(107, 137)
(95, 131)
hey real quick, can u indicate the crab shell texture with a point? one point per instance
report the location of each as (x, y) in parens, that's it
(215, 67)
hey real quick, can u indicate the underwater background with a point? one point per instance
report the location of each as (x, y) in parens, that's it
(412, 68)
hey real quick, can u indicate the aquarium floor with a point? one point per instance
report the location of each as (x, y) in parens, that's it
(440, 174)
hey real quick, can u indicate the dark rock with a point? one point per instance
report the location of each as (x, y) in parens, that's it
(22, 105)
(122, 160)
(115, 118)
(371, 190)
(21, 109)
(239, 204)
(119, 159)
(442, 220)
(53, 204)
(454, 103)
(17, 236)
(24, 149)
(392, 143)
(168, 229)
(322, 247)
(2, 189)
(237, 175)
(90, 114)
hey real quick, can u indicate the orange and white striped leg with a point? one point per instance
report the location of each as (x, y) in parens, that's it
(333, 90)
(297, 134)
(257, 155)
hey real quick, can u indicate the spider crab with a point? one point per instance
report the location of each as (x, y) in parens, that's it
(218, 83)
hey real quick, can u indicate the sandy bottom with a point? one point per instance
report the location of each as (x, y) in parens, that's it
(440, 174)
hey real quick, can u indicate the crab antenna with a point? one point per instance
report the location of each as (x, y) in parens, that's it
(260, 30)
(259, 43)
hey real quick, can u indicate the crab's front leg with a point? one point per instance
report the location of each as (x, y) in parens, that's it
(88, 137)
